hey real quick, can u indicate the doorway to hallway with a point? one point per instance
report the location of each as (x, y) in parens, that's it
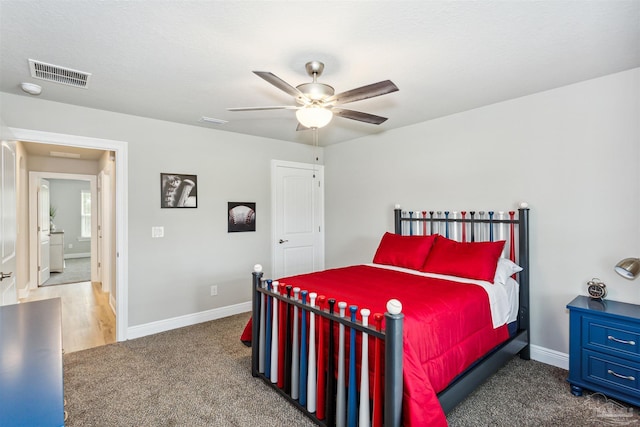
(118, 153)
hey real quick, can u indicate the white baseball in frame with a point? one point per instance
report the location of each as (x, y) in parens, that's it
(242, 217)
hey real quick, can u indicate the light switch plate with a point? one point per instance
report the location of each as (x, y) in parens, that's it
(157, 232)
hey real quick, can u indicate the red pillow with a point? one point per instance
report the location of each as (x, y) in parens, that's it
(472, 260)
(403, 251)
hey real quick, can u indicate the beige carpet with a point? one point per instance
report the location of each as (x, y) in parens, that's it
(200, 376)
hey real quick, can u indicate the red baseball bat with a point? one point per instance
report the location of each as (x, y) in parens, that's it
(464, 226)
(282, 333)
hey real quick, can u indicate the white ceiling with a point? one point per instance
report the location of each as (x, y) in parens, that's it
(180, 60)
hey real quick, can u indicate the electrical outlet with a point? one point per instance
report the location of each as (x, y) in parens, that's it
(214, 290)
(70, 245)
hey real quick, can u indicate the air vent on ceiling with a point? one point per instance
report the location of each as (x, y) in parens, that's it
(57, 74)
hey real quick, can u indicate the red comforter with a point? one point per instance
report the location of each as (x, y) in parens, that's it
(447, 326)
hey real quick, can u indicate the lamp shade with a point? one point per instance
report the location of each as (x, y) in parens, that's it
(314, 117)
(628, 268)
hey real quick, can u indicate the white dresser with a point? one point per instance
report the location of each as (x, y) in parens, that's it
(56, 251)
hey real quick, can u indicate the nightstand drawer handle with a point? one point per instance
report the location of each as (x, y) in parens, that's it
(630, 378)
(611, 338)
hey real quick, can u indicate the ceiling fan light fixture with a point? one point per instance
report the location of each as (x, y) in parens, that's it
(314, 117)
(317, 102)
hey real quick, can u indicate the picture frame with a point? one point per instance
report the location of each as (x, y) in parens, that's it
(242, 217)
(178, 190)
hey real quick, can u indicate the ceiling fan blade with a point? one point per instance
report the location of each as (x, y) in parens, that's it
(364, 92)
(276, 107)
(281, 84)
(360, 116)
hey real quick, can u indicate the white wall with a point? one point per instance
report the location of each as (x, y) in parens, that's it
(61, 165)
(171, 277)
(572, 153)
(65, 196)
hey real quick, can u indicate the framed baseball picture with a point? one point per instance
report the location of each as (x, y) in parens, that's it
(242, 217)
(178, 190)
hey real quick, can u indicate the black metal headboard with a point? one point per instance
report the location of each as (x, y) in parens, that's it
(472, 226)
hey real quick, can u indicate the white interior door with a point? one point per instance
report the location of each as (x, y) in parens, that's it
(298, 212)
(8, 230)
(44, 271)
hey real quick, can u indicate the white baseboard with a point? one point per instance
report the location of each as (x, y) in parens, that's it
(78, 255)
(550, 357)
(24, 292)
(186, 320)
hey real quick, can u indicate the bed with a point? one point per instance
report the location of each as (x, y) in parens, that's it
(447, 324)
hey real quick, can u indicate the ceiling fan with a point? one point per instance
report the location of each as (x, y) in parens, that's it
(318, 103)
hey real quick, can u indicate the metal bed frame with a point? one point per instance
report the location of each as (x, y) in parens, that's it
(264, 296)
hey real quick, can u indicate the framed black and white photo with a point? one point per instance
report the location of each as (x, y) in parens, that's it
(242, 217)
(178, 190)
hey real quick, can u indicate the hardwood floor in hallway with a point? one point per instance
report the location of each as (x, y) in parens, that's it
(87, 318)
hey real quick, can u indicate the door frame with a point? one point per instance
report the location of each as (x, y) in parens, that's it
(275, 233)
(36, 229)
(35, 178)
(120, 148)
(104, 232)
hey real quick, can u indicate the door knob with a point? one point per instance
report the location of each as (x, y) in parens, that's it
(282, 241)
(5, 276)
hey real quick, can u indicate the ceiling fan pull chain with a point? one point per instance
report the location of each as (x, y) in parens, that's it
(315, 150)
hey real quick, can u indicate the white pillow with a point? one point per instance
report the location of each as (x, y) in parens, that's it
(506, 268)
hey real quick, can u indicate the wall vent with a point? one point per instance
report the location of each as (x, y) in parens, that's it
(57, 74)
(65, 155)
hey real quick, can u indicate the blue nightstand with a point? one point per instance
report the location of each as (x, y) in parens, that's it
(604, 348)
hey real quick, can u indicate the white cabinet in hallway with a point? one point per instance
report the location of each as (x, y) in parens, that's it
(56, 251)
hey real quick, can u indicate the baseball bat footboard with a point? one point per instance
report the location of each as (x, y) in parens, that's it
(310, 354)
